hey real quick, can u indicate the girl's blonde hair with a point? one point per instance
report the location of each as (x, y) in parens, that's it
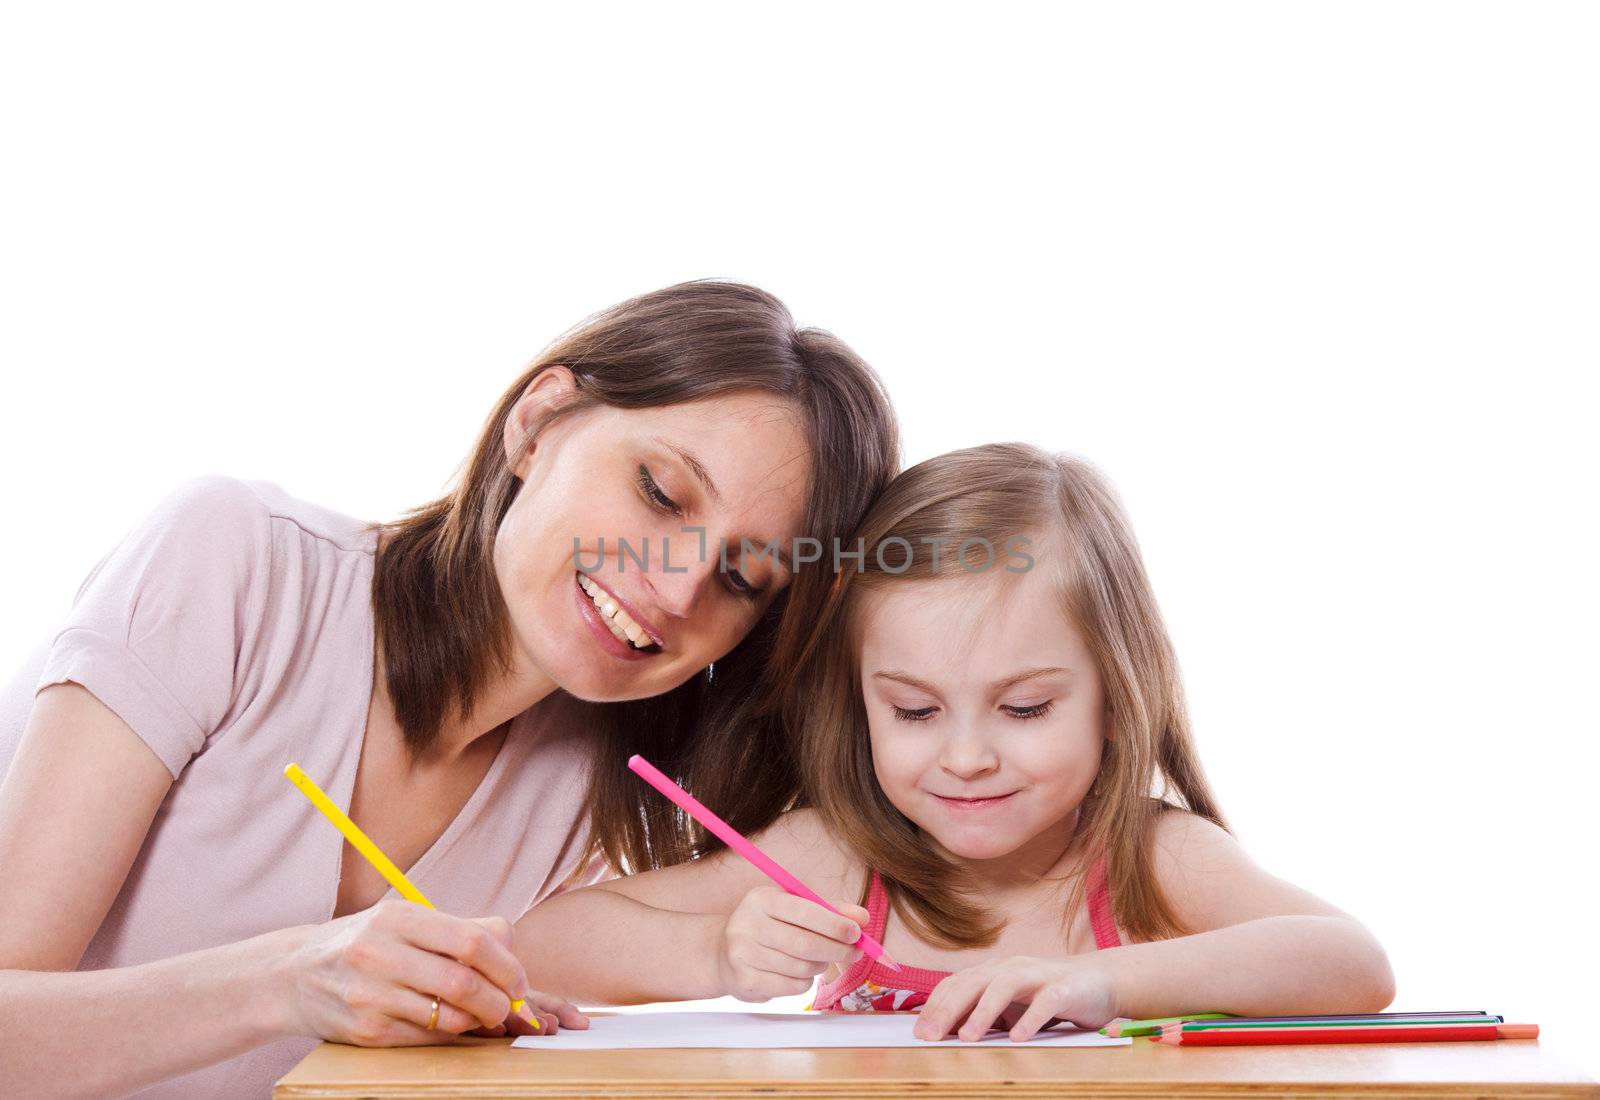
(936, 513)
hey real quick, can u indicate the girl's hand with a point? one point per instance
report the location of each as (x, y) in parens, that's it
(1021, 993)
(775, 943)
(370, 978)
(551, 1011)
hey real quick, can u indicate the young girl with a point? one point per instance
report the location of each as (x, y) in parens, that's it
(997, 758)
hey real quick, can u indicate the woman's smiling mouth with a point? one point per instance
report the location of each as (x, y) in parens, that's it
(619, 632)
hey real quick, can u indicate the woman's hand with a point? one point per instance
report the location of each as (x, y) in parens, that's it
(1021, 993)
(775, 943)
(551, 1011)
(370, 978)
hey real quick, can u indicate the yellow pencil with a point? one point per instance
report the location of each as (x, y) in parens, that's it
(379, 861)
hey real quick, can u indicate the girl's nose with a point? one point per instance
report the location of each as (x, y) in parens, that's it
(966, 755)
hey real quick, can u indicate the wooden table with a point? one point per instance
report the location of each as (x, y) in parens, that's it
(490, 1067)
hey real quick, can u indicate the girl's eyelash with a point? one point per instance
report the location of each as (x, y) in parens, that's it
(922, 714)
(653, 493)
(1038, 710)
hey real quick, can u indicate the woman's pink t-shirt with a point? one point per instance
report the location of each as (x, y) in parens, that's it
(233, 631)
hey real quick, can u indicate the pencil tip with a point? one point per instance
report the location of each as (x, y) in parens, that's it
(884, 958)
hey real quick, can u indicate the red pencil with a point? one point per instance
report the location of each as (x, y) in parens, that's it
(1427, 1033)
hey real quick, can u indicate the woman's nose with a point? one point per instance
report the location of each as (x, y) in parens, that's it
(677, 586)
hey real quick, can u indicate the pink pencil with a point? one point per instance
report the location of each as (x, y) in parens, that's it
(725, 833)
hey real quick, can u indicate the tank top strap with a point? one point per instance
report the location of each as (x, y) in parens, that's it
(1099, 900)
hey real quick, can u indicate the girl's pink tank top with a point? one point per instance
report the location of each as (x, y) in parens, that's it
(869, 986)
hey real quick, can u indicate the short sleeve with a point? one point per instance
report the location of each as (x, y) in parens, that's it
(156, 629)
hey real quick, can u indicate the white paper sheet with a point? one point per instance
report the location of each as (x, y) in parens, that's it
(727, 1030)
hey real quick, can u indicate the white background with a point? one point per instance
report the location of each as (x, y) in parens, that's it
(1315, 285)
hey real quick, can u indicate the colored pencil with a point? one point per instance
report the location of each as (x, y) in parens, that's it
(729, 836)
(373, 855)
(1369, 1021)
(1122, 1026)
(1354, 1016)
(1430, 1033)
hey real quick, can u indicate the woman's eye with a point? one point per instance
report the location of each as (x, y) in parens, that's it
(921, 714)
(1038, 710)
(740, 586)
(652, 492)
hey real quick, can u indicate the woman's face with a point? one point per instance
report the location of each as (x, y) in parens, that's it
(612, 590)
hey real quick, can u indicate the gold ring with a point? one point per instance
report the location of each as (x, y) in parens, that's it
(433, 1017)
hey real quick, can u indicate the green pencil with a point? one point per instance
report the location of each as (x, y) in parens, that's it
(1122, 1026)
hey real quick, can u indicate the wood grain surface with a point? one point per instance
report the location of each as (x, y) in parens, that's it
(491, 1068)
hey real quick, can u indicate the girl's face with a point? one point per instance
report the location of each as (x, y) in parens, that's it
(985, 709)
(737, 466)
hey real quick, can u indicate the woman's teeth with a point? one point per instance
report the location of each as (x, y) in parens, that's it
(617, 620)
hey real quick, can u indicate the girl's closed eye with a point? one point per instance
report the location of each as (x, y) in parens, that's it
(1037, 710)
(922, 714)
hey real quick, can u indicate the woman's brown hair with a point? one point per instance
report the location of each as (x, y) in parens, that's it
(1001, 494)
(442, 618)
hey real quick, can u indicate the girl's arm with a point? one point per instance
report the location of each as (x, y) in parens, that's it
(707, 928)
(75, 807)
(1262, 947)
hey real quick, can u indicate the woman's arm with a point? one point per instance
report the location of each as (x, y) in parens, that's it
(74, 809)
(1262, 947)
(75, 806)
(708, 928)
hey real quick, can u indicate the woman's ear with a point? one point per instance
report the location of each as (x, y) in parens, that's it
(1109, 723)
(550, 388)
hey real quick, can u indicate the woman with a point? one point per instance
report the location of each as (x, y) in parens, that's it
(468, 680)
